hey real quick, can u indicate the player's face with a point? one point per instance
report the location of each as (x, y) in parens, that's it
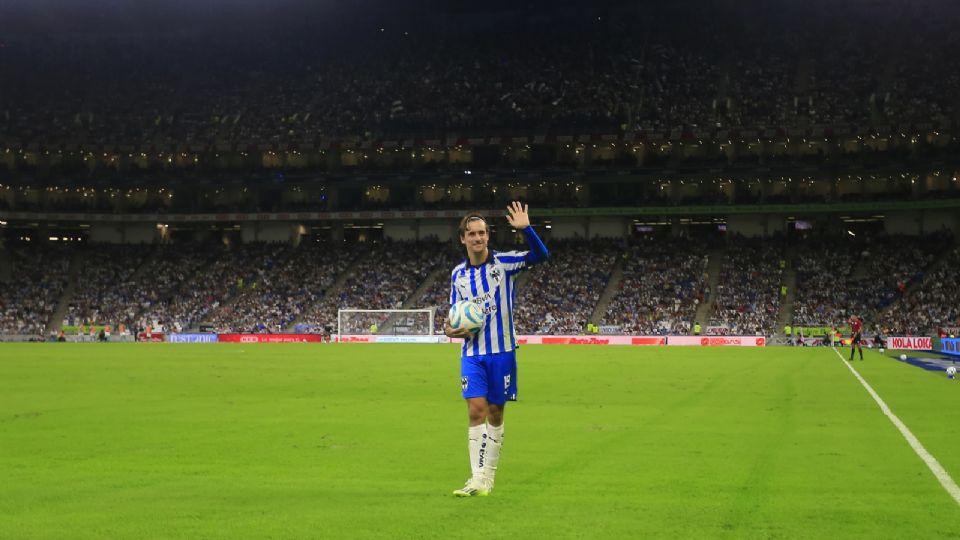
(475, 237)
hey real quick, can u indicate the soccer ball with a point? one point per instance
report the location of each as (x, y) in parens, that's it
(881, 351)
(951, 372)
(466, 314)
(903, 357)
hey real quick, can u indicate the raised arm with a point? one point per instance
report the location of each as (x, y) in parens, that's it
(519, 219)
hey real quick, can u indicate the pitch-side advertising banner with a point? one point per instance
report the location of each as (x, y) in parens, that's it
(192, 338)
(591, 340)
(718, 341)
(269, 338)
(349, 338)
(152, 337)
(521, 340)
(950, 346)
(912, 343)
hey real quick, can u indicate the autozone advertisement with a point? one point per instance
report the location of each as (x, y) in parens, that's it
(591, 340)
(521, 340)
(718, 341)
(269, 338)
(912, 343)
(355, 338)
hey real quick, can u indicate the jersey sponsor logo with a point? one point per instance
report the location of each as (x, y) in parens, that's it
(481, 299)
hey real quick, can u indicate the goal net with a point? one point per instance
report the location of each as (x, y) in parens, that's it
(385, 322)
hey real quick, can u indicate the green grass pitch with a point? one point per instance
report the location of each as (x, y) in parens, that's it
(368, 441)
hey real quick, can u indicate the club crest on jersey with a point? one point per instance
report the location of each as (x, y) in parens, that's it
(496, 274)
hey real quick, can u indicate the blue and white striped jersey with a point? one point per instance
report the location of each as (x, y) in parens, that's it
(492, 286)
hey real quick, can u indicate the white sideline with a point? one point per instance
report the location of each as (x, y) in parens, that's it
(938, 471)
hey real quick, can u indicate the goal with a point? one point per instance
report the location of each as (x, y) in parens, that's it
(389, 322)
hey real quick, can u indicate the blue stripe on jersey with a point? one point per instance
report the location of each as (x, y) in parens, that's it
(510, 292)
(455, 293)
(510, 259)
(473, 291)
(488, 347)
(499, 318)
(453, 287)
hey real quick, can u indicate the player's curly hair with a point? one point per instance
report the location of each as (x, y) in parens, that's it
(473, 215)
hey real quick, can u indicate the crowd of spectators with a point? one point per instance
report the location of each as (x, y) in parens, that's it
(822, 268)
(650, 72)
(748, 291)
(559, 296)
(384, 278)
(220, 275)
(105, 291)
(839, 277)
(39, 274)
(283, 287)
(934, 305)
(901, 285)
(663, 283)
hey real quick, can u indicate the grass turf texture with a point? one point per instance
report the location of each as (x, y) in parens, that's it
(356, 441)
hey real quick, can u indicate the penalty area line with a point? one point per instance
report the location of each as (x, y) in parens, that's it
(938, 471)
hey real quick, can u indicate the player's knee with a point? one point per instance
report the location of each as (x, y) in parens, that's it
(477, 412)
(495, 415)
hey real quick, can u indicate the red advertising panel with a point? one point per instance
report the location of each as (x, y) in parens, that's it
(152, 337)
(911, 343)
(718, 341)
(648, 340)
(270, 338)
(591, 340)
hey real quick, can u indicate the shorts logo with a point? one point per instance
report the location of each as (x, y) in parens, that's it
(464, 383)
(506, 384)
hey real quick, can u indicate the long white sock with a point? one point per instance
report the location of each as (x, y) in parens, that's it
(492, 454)
(476, 440)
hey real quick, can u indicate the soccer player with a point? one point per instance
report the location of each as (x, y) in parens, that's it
(488, 363)
(856, 341)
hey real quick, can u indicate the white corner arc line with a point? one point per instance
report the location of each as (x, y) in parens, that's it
(938, 471)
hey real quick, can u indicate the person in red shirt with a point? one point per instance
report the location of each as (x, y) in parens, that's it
(856, 341)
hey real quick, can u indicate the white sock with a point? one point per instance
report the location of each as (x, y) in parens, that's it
(476, 440)
(492, 454)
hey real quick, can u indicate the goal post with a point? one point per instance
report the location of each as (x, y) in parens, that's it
(391, 322)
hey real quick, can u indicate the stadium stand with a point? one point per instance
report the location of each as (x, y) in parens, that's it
(386, 277)
(748, 292)
(559, 296)
(663, 282)
(39, 277)
(841, 276)
(551, 75)
(933, 306)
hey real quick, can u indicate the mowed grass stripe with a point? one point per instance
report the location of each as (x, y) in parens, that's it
(218, 441)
